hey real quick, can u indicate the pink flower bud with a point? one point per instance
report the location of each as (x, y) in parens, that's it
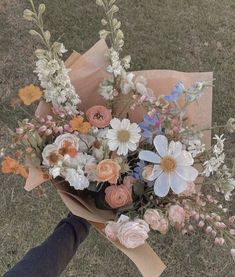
(208, 229)
(19, 131)
(42, 129)
(49, 117)
(201, 224)
(208, 217)
(232, 219)
(213, 233)
(225, 210)
(220, 206)
(232, 252)
(232, 232)
(48, 132)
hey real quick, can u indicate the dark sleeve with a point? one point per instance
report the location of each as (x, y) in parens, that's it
(51, 257)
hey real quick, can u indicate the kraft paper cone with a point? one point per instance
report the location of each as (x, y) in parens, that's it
(146, 260)
(87, 72)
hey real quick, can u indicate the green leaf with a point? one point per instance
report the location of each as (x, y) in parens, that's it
(138, 189)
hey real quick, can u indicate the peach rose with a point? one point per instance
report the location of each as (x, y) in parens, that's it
(132, 234)
(177, 216)
(99, 116)
(156, 221)
(108, 171)
(118, 196)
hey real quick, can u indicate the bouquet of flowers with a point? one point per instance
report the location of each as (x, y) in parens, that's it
(119, 151)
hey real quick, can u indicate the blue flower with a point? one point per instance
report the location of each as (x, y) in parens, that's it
(150, 127)
(178, 89)
(138, 170)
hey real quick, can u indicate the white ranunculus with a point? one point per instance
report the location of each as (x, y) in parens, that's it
(46, 153)
(60, 140)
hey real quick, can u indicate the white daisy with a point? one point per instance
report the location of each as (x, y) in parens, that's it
(124, 136)
(172, 166)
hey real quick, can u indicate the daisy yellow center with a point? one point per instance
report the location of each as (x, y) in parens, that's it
(168, 164)
(123, 136)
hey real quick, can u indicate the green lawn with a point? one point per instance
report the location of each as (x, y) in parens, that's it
(186, 35)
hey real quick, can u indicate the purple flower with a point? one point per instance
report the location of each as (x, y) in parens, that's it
(178, 89)
(138, 170)
(150, 127)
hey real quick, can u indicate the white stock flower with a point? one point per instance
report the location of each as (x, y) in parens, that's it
(196, 147)
(123, 136)
(55, 171)
(56, 83)
(172, 166)
(142, 89)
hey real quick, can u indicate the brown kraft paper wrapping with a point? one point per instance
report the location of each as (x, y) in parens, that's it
(87, 71)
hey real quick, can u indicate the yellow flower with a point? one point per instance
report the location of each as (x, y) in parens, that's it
(79, 125)
(30, 94)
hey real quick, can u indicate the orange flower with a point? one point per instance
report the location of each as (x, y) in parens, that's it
(108, 171)
(78, 124)
(118, 196)
(10, 165)
(68, 148)
(30, 94)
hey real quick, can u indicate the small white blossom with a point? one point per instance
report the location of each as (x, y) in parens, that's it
(196, 147)
(219, 146)
(213, 165)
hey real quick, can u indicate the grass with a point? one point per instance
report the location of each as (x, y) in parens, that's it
(186, 35)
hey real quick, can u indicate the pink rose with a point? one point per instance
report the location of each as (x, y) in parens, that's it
(190, 189)
(99, 116)
(118, 196)
(133, 233)
(156, 221)
(177, 216)
(111, 230)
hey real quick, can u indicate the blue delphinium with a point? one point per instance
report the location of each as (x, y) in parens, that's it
(138, 170)
(150, 127)
(177, 91)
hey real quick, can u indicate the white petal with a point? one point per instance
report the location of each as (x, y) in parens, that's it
(177, 183)
(175, 149)
(115, 123)
(155, 173)
(122, 149)
(185, 158)
(161, 144)
(135, 139)
(125, 124)
(162, 185)
(111, 134)
(113, 145)
(132, 146)
(188, 173)
(149, 156)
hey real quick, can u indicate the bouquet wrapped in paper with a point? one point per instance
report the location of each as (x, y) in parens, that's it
(127, 151)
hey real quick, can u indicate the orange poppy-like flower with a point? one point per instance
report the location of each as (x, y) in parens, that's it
(30, 94)
(118, 196)
(99, 116)
(68, 148)
(78, 124)
(10, 165)
(108, 171)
